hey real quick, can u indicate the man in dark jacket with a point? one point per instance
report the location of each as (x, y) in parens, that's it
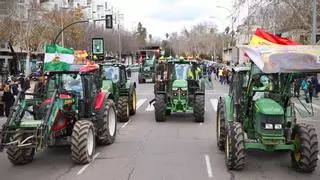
(8, 99)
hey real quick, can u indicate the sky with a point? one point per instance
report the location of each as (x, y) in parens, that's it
(167, 16)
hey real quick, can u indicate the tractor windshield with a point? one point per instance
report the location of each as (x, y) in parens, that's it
(111, 73)
(181, 71)
(68, 82)
(148, 62)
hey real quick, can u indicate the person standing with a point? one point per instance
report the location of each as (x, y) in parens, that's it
(8, 99)
(304, 86)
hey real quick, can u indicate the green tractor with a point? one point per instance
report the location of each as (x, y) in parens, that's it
(259, 113)
(147, 70)
(176, 91)
(68, 108)
(121, 90)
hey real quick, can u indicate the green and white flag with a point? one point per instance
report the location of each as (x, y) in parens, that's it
(53, 50)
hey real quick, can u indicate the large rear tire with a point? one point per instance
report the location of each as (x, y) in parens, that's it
(220, 125)
(234, 147)
(160, 108)
(123, 109)
(107, 116)
(82, 142)
(20, 156)
(305, 157)
(133, 102)
(199, 108)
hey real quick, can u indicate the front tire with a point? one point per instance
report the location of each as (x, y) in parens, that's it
(107, 116)
(234, 147)
(83, 142)
(133, 102)
(304, 158)
(123, 109)
(160, 108)
(20, 156)
(220, 125)
(199, 108)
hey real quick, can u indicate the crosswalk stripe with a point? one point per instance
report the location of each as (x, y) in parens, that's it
(214, 103)
(140, 102)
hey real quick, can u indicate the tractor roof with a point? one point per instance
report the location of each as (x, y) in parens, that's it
(284, 59)
(181, 61)
(112, 64)
(239, 69)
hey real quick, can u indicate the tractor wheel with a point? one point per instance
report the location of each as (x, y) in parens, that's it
(304, 158)
(154, 77)
(82, 142)
(133, 102)
(123, 109)
(220, 125)
(20, 156)
(160, 108)
(107, 114)
(140, 79)
(199, 108)
(234, 147)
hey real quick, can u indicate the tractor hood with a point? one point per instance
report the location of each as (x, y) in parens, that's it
(268, 107)
(107, 85)
(180, 84)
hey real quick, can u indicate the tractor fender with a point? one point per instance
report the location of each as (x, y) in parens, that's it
(228, 108)
(99, 99)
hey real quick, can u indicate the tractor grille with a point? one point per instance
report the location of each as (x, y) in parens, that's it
(271, 119)
(272, 122)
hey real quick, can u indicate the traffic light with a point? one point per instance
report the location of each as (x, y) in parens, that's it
(109, 22)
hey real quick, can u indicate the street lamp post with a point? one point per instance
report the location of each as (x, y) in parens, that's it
(314, 21)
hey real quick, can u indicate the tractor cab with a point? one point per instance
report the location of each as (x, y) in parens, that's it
(115, 80)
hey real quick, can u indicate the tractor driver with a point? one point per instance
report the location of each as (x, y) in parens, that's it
(197, 72)
(261, 84)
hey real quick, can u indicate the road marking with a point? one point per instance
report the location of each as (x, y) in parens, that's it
(125, 124)
(140, 102)
(150, 107)
(87, 165)
(214, 103)
(201, 124)
(209, 169)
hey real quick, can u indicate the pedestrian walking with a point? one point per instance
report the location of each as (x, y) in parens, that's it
(304, 87)
(221, 75)
(8, 99)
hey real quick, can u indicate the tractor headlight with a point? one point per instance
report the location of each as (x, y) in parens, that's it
(269, 126)
(278, 126)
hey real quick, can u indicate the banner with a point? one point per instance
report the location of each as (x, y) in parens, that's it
(274, 59)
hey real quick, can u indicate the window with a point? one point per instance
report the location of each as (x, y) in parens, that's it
(181, 71)
(111, 73)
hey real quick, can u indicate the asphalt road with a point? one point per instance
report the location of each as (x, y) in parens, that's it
(178, 149)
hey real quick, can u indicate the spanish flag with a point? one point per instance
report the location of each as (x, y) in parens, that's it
(262, 37)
